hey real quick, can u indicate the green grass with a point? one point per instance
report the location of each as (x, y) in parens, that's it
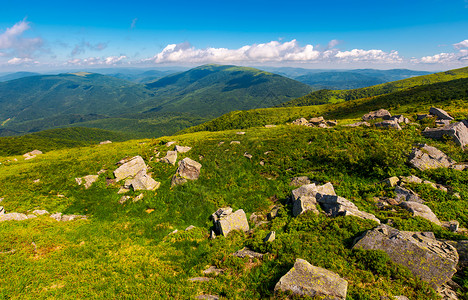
(122, 251)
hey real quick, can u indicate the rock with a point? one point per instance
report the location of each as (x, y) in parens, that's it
(458, 132)
(301, 121)
(403, 194)
(273, 212)
(56, 216)
(170, 158)
(427, 157)
(36, 180)
(226, 221)
(138, 198)
(177, 180)
(388, 124)
(213, 270)
(200, 279)
(398, 119)
(322, 125)
(431, 260)
(245, 252)
(105, 142)
(447, 292)
(189, 228)
(89, 180)
(235, 142)
(303, 204)
(240, 132)
(331, 123)
(220, 143)
(317, 120)
(255, 218)
(299, 181)
(459, 167)
(270, 237)
(207, 297)
(440, 113)
(311, 190)
(142, 181)
(410, 179)
(357, 124)
(270, 126)
(34, 152)
(188, 169)
(182, 149)
(420, 117)
(212, 235)
(2, 210)
(394, 298)
(339, 206)
(124, 199)
(420, 210)
(123, 190)
(40, 212)
(66, 218)
(381, 113)
(440, 123)
(392, 181)
(130, 168)
(168, 144)
(12, 217)
(249, 156)
(305, 279)
(453, 225)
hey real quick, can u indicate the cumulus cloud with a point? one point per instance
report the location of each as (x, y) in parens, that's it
(273, 51)
(462, 44)
(12, 42)
(21, 61)
(460, 56)
(83, 46)
(97, 61)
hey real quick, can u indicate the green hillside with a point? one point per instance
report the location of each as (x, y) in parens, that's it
(339, 80)
(327, 96)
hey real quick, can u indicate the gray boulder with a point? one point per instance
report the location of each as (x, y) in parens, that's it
(89, 180)
(392, 181)
(426, 157)
(357, 124)
(431, 260)
(188, 170)
(105, 142)
(420, 210)
(182, 149)
(311, 190)
(245, 252)
(303, 204)
(142, 181)
(410, 179)
(403, 194)
(301, 121)
(317, 120)
(440, 113)
(170, 158)
(270, 237)
(226, 221)
(388, 124)
(13, 217)
(458, 132)
(381, 113)
(399, 119)
(338, 206)
(305, 279)
(130, 168)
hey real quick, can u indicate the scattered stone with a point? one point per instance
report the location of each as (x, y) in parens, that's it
(189, 228)
(398, 119)
(311, 190)
(420, 210)
(138, 198)
(60, 196)
(403, 194)
(273, 212)
(299, 181)
(188, 170)
(177, 180)
(301, 121)
(440, 113)
(182, 149)
(426, 157)
(36, 180)
(102, 171)
(32, 154)
(142, 181)
(262, 163)
(270, 237)
(322, 125)
(2, 210)
(303, 204)
(200, 279)
(174, 232)
(170, 158)
(381, 113)
(56, 216)
(89, 180)
(446, 292)
(123, 199)
(452, 225)
(255, 218)
(270, 126)
(357, 124)
(168, 144)
(226, 221)
(130, 168)
(457, 195)
(431, 260)
(339, 206)
(331, 123)
(72, 217)
(149, 210)
(105, 142)
(40, 212)
(305, 279)
(410, 179)
(392, 181)
(207, 297)
(12, 217)
(213, 270)
(245, 252)
(388, 124)
(123, 190)
(235, 142)
(249, 156)
(317, 120)
(458, 132)
(220, 143)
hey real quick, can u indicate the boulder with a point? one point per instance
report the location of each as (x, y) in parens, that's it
(138, 198)
(398, 119)
(188, 169)
(130, 168)
(410, 179)
(124, 199)
(388, 124)
(207, 297)
(105, 142)
(270, 237)
(273, 212)
(299, 181)
(420, 210)
(301, 121)
(213, 270)
(339, 206)
(89, 180)
(426, 157)
(168, 144)
(458, 132)
(357, 124)
(381, 113)
(392, 181)
(429, 259)
(249, 156)
(245, 252)
(420, 117)
(40, 212)
(226, 221)
(332, 123)
(182, 149)
(440, 113)
(13, 217)
(440, 123)
(311, 190)
(317, 120)
(142, 181)
(303, 204)
(170, 158)
(270, 126)
(66, 218)
(307, 280)
(403, 194)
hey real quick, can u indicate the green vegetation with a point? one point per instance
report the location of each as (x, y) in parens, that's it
(125, 251)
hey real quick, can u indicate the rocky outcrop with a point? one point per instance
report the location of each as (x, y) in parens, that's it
(339, 206)
(305, 279)
(226, 221)
(420, 210)
(426, 157)
(403, 194)
(13, 217)
(440, 113)
(301, 121)
(188, 170)
(315, 122)
(142, 181)
(130, 168)
(458, 132)
(388, 124)
(431, 260)
(31, 154)
(381, 113)
(304, 198)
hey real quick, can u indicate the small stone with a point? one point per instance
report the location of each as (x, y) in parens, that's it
(440, 113)
(79, 181)
(403, 194)
(249, 156)
(381, 113)
(357, 124)
(240, 132)
(123, 190)
(299, 181)
(317, 120)
(138, 198)
(270, 126)
(182, 149)
(262, 163)
(168, 144)
(212, 235)
(36, 181)
(200, 279)
(56, 216)
(170, 158)
(213, 270)
(454, 225)
(245, 252)
(235, 142)
(270, 237)
(105, 142)
(273, 212)
(392, 181)
(89, 180)
(2, 210)
(123, 199)
(420, 210)
(220, 143)
(189, 228)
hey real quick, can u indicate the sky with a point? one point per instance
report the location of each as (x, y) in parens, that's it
(332, 34)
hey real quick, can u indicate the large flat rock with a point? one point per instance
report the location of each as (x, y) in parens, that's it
(226, 221)
(458, 132)
(130, 169)
(425, 157)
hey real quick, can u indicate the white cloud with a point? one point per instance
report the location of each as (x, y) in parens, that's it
(21, 61)
(462, 44)
(12, 42)
(451, 58)
(273, 51)
(97, 61)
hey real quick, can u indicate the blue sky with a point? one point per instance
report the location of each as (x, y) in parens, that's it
(42, 35)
